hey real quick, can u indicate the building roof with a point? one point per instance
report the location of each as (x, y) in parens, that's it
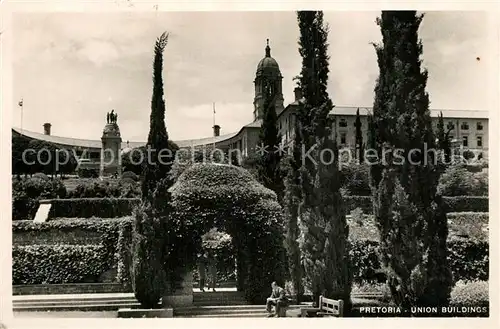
(97, 144)
(338, 110)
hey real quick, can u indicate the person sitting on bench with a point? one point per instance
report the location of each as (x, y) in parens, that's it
(278, 299)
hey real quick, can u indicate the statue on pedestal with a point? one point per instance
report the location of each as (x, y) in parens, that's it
(111, 117)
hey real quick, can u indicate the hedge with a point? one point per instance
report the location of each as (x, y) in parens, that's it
(46, 264)
(229, 198)
(93, 207)
(469, 260)
(60, 262)
(452, 204)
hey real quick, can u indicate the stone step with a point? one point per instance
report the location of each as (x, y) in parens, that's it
(74, 300)
(225, 310)
(75, 307)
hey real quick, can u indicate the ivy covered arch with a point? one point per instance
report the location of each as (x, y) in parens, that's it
(229, 198)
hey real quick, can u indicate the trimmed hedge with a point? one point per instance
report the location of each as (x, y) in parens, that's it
(452, 204)
(59, 262)
(46, 264)
(93, 207)
(469, 260)
(26, 192)
(229, 198)
(467, 203)
(110, 188)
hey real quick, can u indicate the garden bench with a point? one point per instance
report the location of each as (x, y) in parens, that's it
(327, 307)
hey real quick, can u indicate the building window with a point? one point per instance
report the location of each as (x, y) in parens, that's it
(479, 126)
(479, 141)
(450, 125)
(465, 141)
(343, 138)
(343, 123)
(464, 126)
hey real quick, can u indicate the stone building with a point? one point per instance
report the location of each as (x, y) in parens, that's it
(470, 127)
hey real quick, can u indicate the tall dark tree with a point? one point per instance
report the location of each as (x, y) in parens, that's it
(268, 165)
(161, 153)
(359, 138)
(149, 273)
(324, 245)
(291, 201)
(409, 213)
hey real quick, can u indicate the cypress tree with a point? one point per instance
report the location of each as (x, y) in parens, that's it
(149, 274)
(324, 243)
(359, 138)
(161, 150)
(409, 213)
(268, 165)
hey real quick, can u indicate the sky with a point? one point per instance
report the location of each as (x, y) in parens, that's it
(70, 69)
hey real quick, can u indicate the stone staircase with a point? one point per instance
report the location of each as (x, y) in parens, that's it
(219, 304)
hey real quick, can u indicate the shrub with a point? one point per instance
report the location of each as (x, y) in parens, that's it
(473, 225)
(364, 203)
(475, 293)
(63, 261)
(130, 175)
(27, 192)
(46, 264)
(466, 204)
(452, 204)
(469, 259)
(365, 264)
(92, 207)
(106, 189)
(185, 158)
(459, 181)
(355, 179)
(88, 172)
(148, 275)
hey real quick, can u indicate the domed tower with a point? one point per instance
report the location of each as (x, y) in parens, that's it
(268, 75)
(111, 145)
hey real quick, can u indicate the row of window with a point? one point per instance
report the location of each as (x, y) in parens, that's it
(463, 126)
(465, 140)
(479, 141)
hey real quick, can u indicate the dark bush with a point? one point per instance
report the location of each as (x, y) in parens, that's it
(452, 204)
(467, 204)
(355, 179)
(364, 203)
(148, 276)
(106, 189)
(457, 180)
(469, 259)
(26, 194)
(88, 172)
(93, 207)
